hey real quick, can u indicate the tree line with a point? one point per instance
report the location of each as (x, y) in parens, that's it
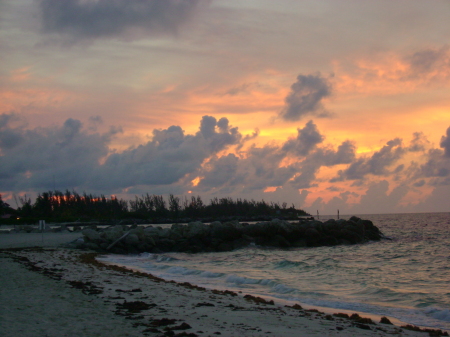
(71, 206)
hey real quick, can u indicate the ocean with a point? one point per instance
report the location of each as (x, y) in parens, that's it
(406, 277)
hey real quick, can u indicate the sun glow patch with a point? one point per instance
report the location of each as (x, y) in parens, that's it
(195, 181)
(271, 189)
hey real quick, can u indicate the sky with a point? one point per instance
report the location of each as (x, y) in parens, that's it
(326, 105)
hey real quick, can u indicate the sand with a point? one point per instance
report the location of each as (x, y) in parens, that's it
(55, 291)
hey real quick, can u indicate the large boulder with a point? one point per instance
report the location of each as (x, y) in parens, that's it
(91, 235)
(112, 233)
(349, 236)
(197, 229)
(312, 236)
(139, 232)
(225, 232)
(131, 240)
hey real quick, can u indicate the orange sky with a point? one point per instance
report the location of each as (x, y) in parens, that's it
(322, 104)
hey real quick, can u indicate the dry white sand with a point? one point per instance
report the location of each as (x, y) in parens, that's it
(63, 292)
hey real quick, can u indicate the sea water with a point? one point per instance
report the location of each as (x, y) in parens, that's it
(406, 277)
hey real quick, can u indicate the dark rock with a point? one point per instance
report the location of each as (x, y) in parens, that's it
(166, 245)
(199, 237)
(225, 232)
(91, 245)
(132, 239)
(328, 240)
(90, 234)
(312, 237)
(280, 241)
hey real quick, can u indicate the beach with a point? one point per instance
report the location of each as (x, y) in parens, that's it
(49, 290)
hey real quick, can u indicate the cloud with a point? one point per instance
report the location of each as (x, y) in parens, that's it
(73, 156)
(41, 158)
(306, 98)
(429, 61)
(345, 154)
(436, 166)
(435, 171)
(10, 136)
(306, 175)
(307, 139)
(377, 197)
(111, 18)
(219, 133)
(168, 157)
(219, 171)
(445, 143)
(262, 168)
(419, 142)
(377, 164)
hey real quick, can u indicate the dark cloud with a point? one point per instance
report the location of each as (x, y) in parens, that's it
(436, 166)
(377, 197)
(168, 157)
(73, 156)
(325, 156)
(258, 169)
(111, 18)
(345, 154)
(41, 158)
(377, 164)
(306, 98)
(261, 168)
(220, 171)
(69, 155)
(399, 168)
(306, 175)
(429, 60)
(307, 139)
(419, 183)
(445, 143)
(419, 142)
(247, 138)
(95, 122)
(219, 134)
(244, 88)
(293, 165)
(436, 169)
(5, 119)
(10, 136)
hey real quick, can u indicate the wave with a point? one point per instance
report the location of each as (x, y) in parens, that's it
(274, 286)
(158, 257)
(430, 317)
(290, 264)
(440, 314)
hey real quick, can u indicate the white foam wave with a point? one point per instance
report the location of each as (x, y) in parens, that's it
(440, 314)
(210, 274)
(182, 271)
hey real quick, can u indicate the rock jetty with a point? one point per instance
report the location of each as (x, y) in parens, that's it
(198, 237)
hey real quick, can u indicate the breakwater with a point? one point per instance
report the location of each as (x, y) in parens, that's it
(196, 237)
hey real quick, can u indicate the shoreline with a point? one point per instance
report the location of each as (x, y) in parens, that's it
(122, 302)
(56, 291)
(289, 303)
